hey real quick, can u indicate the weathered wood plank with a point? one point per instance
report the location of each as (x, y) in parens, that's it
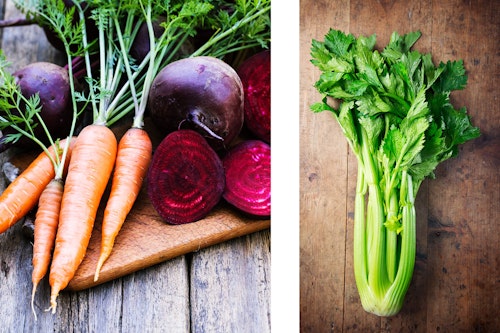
(455, 283)
(463, 232)
(26, 44)
(230, 289)
(323, 164)
(155, 299)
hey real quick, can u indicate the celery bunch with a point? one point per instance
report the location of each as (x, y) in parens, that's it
(394, 109)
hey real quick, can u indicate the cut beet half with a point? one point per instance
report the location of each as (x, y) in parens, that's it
(186, 177)
(255, 75)
(248, 177)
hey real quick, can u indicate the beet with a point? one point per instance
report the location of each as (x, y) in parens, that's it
(248, 177)
(200, 93)
(255, 74)
(51, 82)
(186, 177)
(140, 47)
(90, 24)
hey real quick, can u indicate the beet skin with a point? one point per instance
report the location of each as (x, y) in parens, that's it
(51, 83)
(200, 93)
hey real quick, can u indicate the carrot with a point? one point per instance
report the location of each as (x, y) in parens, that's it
(23, 193)
(135, 153)
(132, 162)
(46, 221)
(89, 171)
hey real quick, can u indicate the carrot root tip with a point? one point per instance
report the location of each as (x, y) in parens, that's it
(96, 275)
(33, 300)
(100, 262)
(53, 303)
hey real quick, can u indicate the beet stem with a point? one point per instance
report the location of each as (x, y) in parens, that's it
(75, 62)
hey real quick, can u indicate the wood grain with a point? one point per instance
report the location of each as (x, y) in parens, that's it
(455, 284)
(323, 201)
(238, 295)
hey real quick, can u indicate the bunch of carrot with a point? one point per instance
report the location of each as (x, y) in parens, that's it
(68, 193)
(42, 183)
(95, 157)
(68, 199)
(67, 209)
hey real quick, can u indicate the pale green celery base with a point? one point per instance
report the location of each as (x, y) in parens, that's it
(379, 294)
(385, 307)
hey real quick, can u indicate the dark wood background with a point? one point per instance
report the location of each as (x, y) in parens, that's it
(456, 282)
(222, 288)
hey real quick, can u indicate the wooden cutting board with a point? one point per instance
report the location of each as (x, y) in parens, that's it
(145, 239)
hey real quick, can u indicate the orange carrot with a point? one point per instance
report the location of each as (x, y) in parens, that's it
(23, 193)
(90, 167)
(132, 162)
(46, 221)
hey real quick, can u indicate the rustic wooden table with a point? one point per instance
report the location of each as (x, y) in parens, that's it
(455, 286)
(222, 288)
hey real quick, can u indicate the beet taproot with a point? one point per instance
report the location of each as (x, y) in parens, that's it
(255, 74)
(186, 177)
(247, 168)
(199, 93)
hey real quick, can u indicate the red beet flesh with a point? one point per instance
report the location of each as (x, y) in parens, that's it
(200, 93)
(248, 177)
(186, 177)
(255, 74)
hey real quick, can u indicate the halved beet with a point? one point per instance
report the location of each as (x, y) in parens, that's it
(186, 177)
(200, 93)
(248, 177)
(255, 74)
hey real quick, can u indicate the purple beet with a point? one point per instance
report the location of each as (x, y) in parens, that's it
(248, 177)
(51, 82)
(140, 47)
(92, 30)
(186, 177)
(200, 93)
